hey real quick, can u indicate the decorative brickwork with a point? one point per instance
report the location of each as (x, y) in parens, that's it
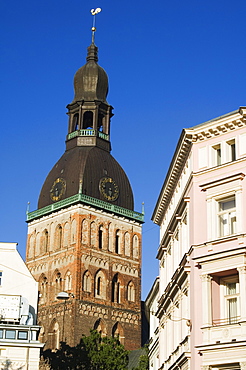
(95, 257)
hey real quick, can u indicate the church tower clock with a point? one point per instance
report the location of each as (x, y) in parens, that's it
(84, 240)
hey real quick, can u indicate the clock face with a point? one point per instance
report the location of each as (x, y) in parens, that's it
(108, 188)
(58, 189)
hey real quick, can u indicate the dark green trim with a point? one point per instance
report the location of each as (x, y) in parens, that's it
(85, 199)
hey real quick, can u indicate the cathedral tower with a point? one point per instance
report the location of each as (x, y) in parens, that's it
(84, 240)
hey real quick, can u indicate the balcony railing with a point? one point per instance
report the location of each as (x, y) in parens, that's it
(85, 199)
(88, 132)
(226, 321)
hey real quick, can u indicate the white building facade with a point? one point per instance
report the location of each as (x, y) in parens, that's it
(19, 345)
(202, 219)
(151, 303)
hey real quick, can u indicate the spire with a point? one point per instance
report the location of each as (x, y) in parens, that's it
(92, 53)
(89, 113)
(94, 12)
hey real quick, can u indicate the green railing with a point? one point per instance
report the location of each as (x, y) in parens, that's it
(86, 200)
(88, 132)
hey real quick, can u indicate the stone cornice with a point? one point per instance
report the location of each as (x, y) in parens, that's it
(173, 175)
(218, 126)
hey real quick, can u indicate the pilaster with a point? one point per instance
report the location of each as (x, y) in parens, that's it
(242, 287)
(206, 300)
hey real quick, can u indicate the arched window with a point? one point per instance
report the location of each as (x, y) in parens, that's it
(66, 234)
(54, 335)
(135, 247)
(84, 237)
(110, 237)
(44, 241)
(57, 284)
(100, 122)
(86, 282)
(118, 331)
(73, 231)
(58, 237)
(52, 236)
(131, 292)
(93, 234)
(100, 237)
(75, 122)
(88, 120)
(116, 289)
(68, 281)
(100, 285)
(117, 242)
(127, 244)
(38, 244)
(100, 327)
(43, 289)
(31, 250)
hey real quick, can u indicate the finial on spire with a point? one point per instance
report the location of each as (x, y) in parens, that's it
(94, 12)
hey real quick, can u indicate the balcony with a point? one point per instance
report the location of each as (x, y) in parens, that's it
(88, 132)
(224, 330)
(227, 321)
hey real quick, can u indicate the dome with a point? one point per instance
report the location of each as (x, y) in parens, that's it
(91, 81)
(82, 169)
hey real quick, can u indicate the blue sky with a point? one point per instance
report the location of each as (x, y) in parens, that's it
(170, 65)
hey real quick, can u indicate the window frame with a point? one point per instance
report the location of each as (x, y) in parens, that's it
(217, 154)
(225, 298)
(231, 152)
(230, 228)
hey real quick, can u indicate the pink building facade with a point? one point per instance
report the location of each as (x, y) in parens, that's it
(202, 253)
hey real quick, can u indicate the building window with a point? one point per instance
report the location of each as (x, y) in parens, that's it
(231, 299)
(100, 287)
(43, 289)
(117, 242)
(100, 327)
(216, 155)
(1, 333)
(68, 281)
(100, 237)
(227, 216)
(59, 237)
(231, 150)
(46, 240)
(87, 282)
(54, 335)
(75, 122)
(118, 331)
(1, 278)
(115, 289)
(22, 335)
(131, 292)
(10, 334)
(88, 120)
(58, 284)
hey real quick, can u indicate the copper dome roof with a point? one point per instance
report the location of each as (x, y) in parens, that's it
(91, 81)
(87, 166)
